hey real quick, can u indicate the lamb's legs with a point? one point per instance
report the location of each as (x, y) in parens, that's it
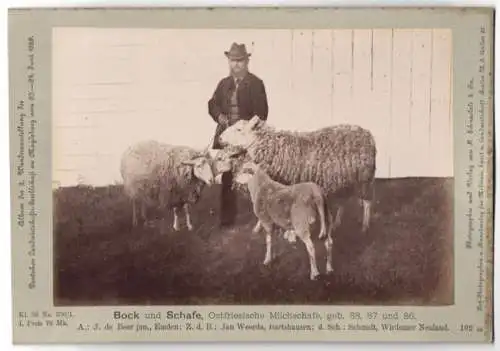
(366, 214)
(267, 259)
(322, 216)
(188, 217)
(367, 195)
(176, 219)
(257, 227)
(338, 217)
(143, 212)
(329, 243)
(329, 246)
(312, 256)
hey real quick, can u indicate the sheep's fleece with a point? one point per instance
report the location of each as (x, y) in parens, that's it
(337, 158)
(151, 168)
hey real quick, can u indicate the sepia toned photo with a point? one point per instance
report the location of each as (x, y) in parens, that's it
(231, 174)
(351, 134)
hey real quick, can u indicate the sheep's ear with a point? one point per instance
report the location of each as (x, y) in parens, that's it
(254, 122)
(212, 153)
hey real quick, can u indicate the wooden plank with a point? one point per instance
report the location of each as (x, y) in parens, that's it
(102, 63)
(265, 45)
(89, 107)
(259, 46)
(320, 115)
(420, 103)
(63, 118)
(80, 162)
(302, 80)
(279, 83)
(441, 143)
(65, 177)
(331, 76)
(361, 79)
(342, 75)
(74, 141)
(400, 160)
(381, 97)
(114, 175)
(97, 91)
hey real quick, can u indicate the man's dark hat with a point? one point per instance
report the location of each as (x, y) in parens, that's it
(237, 52)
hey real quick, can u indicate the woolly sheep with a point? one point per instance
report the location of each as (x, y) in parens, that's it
(172, 176)
(341, 159)
(290, 207)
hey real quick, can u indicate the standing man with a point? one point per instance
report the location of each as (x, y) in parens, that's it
(241, 95)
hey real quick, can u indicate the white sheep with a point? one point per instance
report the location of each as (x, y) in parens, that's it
(293, 208)
(173, 176)
(341, 159)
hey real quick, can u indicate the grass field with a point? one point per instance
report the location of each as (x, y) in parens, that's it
(406, 258)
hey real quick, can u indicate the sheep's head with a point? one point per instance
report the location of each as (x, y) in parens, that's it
(246, 172)
(242, 133)
(202, 168)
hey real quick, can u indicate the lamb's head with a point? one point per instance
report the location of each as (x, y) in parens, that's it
(202, 168)
(242, 134)
(224, 160)
(246, 172)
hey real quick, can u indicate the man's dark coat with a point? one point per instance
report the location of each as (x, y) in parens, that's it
(252, 101)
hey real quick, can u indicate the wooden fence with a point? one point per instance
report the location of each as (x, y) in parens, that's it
(113, 87)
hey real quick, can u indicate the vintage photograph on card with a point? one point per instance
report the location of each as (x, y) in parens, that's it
(252, 178)
(363, 114)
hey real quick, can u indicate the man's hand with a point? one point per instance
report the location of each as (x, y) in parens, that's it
(223, 119)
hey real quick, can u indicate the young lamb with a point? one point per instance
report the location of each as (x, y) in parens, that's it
(172, 176)
(293, 208)
(340, 159)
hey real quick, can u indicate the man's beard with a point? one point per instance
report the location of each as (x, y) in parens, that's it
(238, 73)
